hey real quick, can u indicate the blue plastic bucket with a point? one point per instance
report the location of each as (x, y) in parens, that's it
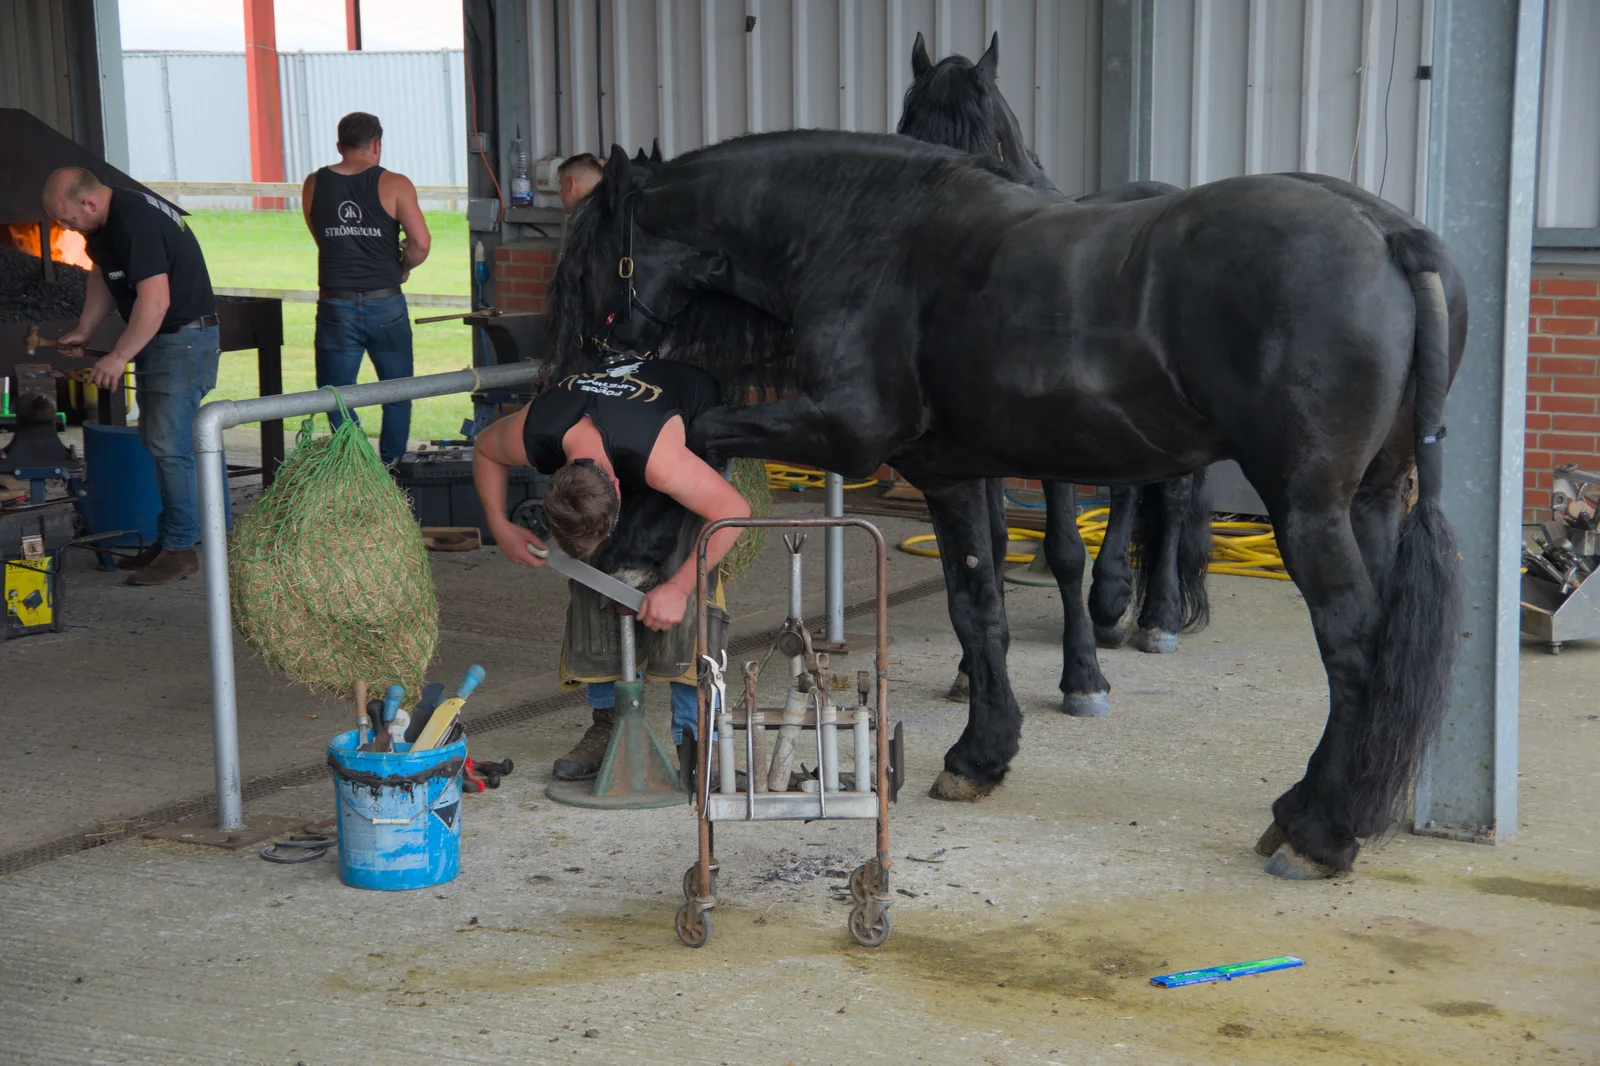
(399, 814)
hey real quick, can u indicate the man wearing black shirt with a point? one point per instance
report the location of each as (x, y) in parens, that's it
(355, 210)
(148, 264)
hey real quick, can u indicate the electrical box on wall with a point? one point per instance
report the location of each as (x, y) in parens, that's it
(545, 178)
(483, 214)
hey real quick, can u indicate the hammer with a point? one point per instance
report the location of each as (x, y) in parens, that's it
(486, 312)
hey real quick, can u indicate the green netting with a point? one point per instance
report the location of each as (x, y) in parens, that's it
(750, 478)
(330, 578)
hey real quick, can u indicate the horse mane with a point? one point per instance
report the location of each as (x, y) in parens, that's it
(946, 106)
(735, 341)
(955, 104)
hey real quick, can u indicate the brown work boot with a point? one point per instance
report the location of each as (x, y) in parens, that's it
(146, 556)
(583, 761)
(168, 566)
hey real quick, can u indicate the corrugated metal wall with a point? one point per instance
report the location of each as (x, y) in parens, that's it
(48, 65)
(692, 74)
(1240, 86)
(1569, 141)
(418, 96)
(188, 117)
(1263, 86)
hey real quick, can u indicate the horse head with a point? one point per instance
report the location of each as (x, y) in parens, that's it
(620, 287)
(958, 103)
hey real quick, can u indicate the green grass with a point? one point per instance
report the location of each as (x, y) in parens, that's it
(272, 250)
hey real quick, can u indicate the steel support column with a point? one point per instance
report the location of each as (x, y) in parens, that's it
(1482, 165)
(261, 80)
(1127, 40)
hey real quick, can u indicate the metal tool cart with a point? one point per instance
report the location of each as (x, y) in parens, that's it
(1560, 595)
(768, 789)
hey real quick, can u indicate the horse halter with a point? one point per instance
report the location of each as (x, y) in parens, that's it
(629, 300)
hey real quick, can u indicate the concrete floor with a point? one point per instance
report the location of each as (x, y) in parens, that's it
(1118, 849)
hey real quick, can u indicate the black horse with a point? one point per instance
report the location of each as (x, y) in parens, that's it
(957, 102)
(954, 323)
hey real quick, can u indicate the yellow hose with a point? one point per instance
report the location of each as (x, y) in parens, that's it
(1243, 549)
(781, 476)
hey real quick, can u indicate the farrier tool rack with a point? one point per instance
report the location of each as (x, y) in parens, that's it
(768, 789)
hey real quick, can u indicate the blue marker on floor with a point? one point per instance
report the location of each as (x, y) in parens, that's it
(1227, 972)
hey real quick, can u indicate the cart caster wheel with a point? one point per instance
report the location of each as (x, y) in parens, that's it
(866, 881)
(694, 926)
(691, 882)
(870, 924)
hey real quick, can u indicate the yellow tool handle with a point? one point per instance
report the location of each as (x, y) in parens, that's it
(439, 724)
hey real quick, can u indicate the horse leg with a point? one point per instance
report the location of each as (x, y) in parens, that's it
(1314, 832)
(995, 498)
(1161, 614)
(1111, 593)
(1085, 693)
(1375, 523)
(978, 761)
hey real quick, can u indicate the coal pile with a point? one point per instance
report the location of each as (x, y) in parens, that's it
(24, 296)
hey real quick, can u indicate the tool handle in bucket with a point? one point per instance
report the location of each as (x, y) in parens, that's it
(471, 681)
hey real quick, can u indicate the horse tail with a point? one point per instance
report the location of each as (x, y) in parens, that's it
(1194, 555)
(1418, 635)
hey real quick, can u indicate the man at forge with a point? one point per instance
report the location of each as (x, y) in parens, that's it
(624, 491)
(355, 210)
(148, 263)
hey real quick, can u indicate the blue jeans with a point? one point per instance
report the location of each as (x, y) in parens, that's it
(685, 705)
(381, 328)
(173, 374)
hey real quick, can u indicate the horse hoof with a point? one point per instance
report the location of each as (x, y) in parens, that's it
(1273, 839)
(1086, 704)
(949, 786)
(1111, 636)
(960, 689)
(1290, 865)
(1155, 641)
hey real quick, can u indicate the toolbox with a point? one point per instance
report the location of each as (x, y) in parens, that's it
(439, 483)
(32, 544)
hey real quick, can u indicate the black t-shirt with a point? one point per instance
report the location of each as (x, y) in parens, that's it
(143, 237)
(628, 405)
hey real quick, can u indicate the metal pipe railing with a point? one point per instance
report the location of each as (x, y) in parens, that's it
(209, 422)
(833, 557)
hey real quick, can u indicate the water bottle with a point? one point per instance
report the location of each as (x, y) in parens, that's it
(521, 186)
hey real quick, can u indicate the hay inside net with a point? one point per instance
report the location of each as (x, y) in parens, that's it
(330, 578)
(750, 478)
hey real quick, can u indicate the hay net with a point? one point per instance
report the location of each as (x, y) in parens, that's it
(749, 476)
(329, 576)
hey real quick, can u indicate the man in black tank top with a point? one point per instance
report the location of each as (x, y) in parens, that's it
(627, 495)
(355, 210)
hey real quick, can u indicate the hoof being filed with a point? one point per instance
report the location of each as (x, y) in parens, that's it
(960, 689)
(1086, 704)
(1273, 839)
(1112, 636)
(1290, 865)
(949, 786)
(1155, 641)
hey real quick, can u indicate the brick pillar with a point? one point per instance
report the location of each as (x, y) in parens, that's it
(523, 271)
(1563, 420)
